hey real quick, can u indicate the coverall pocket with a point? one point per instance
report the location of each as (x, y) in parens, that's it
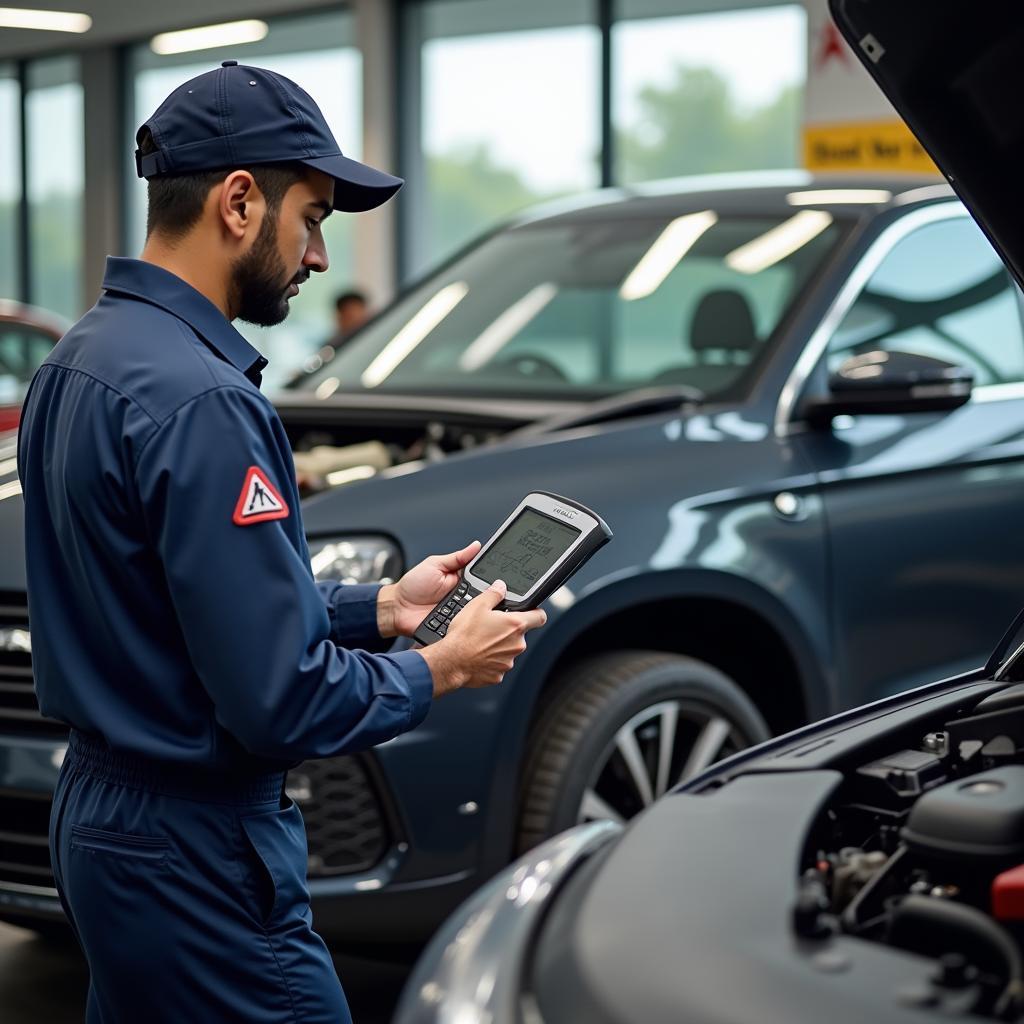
(278, 839)
(98, 840)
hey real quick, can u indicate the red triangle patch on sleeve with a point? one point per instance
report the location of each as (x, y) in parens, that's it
(259, 500)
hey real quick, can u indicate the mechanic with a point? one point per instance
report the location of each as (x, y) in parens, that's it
(176, 623)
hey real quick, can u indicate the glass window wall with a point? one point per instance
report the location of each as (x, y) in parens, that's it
(508, 114)
(705, 93)
(56, 183)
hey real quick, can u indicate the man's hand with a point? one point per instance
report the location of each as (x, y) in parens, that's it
(482, 644)
(402, 606)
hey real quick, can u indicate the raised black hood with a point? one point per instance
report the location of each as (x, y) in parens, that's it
(955, 72)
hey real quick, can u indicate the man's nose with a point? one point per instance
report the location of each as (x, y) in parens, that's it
(315, 258)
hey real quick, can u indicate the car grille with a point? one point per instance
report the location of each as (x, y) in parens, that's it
(346, 821)
(19, 712)
(346, 826)
(24, 849)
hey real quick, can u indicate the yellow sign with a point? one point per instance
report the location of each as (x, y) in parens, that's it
(865, 146)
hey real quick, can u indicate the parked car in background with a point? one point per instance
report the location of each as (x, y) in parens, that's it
(798, 403)
(26, 336)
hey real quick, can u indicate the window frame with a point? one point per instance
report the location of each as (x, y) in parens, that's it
(811, 359)
(966, 351)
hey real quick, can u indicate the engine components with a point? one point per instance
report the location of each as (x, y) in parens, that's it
(907, 773)
(980, 817)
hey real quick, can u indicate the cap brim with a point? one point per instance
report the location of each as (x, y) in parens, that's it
(358, 187)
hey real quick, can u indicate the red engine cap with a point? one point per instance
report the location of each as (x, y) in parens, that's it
(1008, 895)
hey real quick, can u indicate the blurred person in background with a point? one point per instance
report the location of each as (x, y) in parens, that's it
(351, 311)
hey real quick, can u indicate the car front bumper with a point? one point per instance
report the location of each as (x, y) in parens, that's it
(386, 902)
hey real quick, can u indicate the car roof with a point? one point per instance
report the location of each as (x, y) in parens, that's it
(32, 316)
(759, 192)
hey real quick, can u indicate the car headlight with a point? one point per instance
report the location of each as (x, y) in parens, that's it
(356, 559)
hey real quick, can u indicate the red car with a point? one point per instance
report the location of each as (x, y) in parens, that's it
(26, 337)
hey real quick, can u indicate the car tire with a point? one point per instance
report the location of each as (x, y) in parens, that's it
(579, 755)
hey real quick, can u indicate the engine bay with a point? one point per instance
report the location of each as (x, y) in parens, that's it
(331, 452)
(352, 436)
(922, 849)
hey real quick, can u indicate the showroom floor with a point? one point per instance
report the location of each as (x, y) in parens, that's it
(44, 983)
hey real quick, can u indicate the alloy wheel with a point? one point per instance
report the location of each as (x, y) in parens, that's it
(660, 746)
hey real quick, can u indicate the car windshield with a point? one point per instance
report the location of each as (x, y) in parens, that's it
(590, 306)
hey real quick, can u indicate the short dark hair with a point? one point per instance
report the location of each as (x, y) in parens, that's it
(352, 295)
(176, 200)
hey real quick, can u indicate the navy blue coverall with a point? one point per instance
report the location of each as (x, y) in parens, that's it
(178, 630)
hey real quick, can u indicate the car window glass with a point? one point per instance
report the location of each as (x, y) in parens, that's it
(941, 291)
(594, 305)
(22, 350)
(1008, 657)
(664, 334)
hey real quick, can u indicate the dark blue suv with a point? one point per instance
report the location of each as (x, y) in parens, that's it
(800, 406)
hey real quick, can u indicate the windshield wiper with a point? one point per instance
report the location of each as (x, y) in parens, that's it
(642, 402)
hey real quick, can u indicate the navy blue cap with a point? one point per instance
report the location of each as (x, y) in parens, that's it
(237, 116)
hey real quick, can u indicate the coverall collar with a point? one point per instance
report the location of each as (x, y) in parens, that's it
(161, 288)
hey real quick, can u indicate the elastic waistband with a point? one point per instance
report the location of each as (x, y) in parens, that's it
(93, 757)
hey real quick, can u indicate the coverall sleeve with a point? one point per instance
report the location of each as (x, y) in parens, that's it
(257, 628)
(352, 609)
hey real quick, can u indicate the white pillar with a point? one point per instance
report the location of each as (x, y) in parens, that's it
(104, 166)
(375, 232)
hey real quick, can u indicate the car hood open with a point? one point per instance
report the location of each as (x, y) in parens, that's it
(956, 74)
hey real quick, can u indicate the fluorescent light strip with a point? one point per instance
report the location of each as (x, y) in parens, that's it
(668, 249)
(44, 21)
(347, 476)
(778, 243)
(413, 333)
(826, 196)
(327, 387)
(230, 33)
(507, 326)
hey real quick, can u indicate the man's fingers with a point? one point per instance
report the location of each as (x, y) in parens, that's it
(457, 560)
(493, 595)
(530, 620)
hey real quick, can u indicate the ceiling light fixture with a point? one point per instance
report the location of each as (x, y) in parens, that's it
(665, 253)
(781, 241)
(208, 37)
(399, 347)
(44, 21)
(495, 337)
(827, 196)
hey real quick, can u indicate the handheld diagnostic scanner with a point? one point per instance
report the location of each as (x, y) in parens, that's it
(538, 547)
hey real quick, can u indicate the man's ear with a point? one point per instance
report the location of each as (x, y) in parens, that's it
(240, 204)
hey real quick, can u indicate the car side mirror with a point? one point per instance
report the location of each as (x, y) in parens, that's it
(891, 383)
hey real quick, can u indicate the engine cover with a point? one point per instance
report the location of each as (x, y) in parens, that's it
(980, 817)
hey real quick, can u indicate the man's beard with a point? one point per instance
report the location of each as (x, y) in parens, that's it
(259, 285)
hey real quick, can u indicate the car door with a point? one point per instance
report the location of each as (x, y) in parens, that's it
(924, 511)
